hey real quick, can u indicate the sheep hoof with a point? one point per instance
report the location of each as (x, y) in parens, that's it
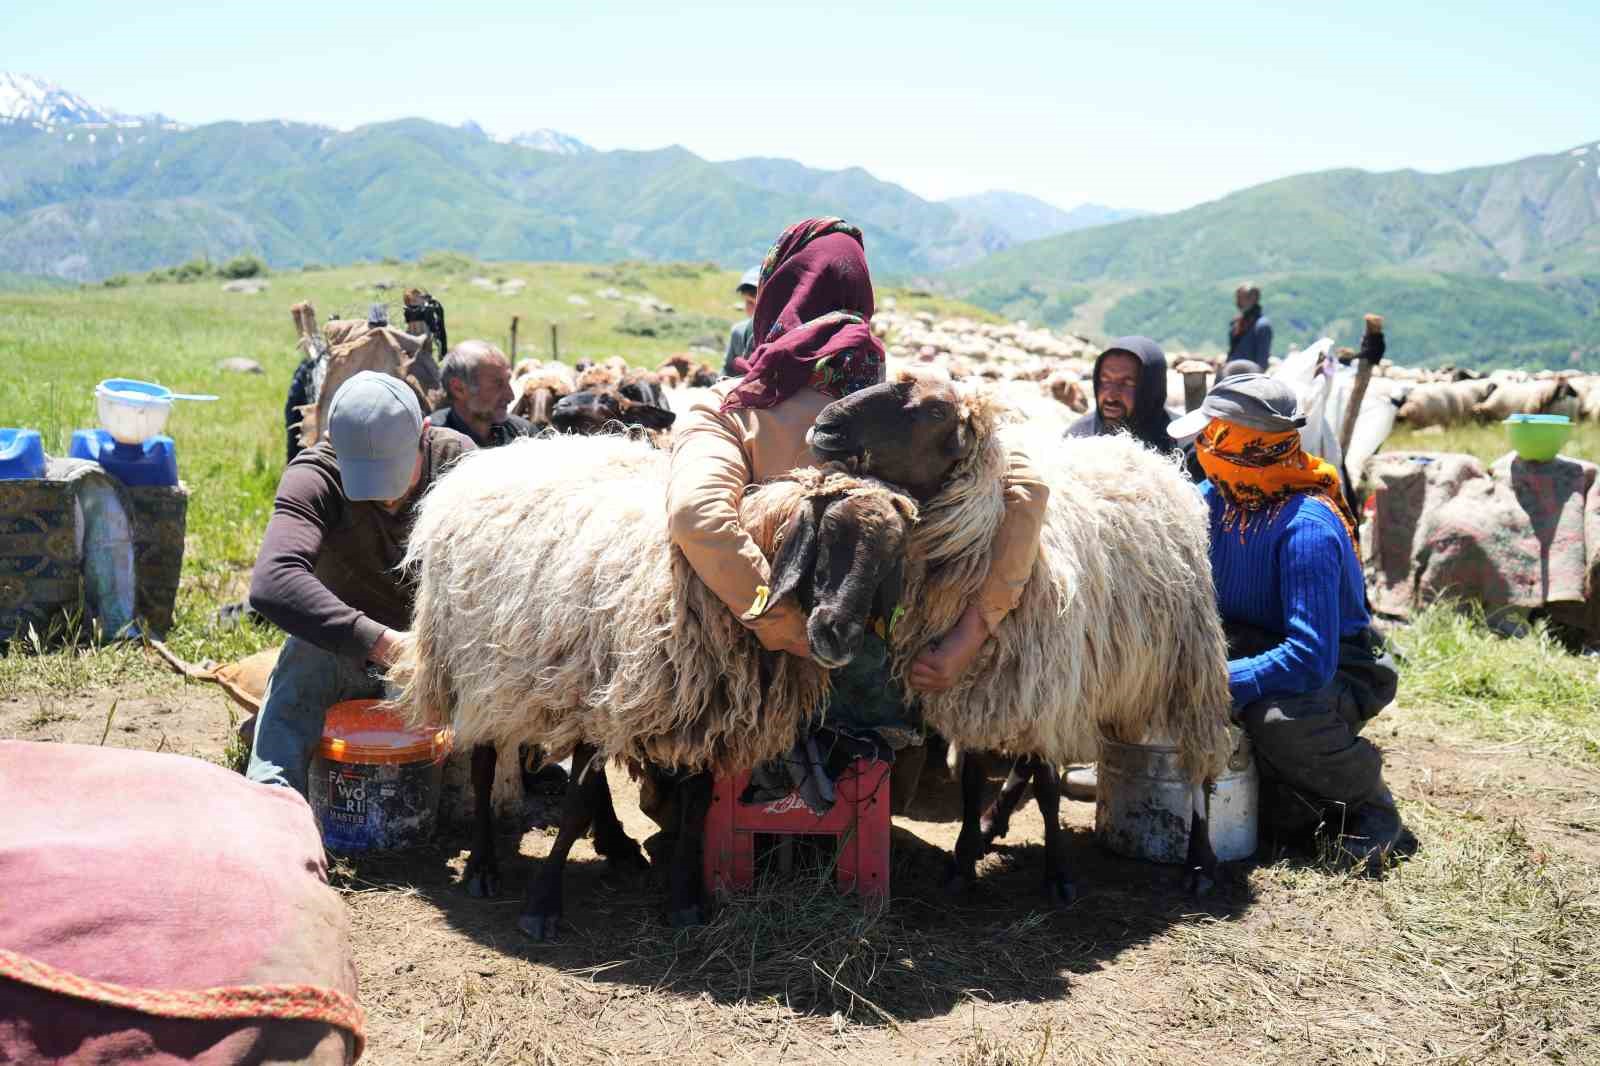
(993, 830)
(1060, 891)
(959, 884)
(686, 918)
(540, 927)
(627, 860)
(1199, 883)
(483, 884)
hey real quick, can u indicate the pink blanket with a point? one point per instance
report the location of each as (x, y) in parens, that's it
(161, 872)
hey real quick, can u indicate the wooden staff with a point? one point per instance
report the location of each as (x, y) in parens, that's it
(513, 353)
(1194, 374)
(1372, 348)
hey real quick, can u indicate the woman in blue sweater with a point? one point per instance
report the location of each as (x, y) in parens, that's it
(1305, 669)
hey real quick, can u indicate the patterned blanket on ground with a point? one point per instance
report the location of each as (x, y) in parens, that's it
(1518, 534)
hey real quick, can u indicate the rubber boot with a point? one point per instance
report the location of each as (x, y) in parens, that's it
(1374, 836)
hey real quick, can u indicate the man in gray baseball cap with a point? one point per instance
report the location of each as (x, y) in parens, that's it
(375, 424)
(327, 573)
(1305, 668)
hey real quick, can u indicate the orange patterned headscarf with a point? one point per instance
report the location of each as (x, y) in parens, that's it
(1257, 471)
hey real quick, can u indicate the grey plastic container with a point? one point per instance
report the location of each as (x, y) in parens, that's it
(1143, 803)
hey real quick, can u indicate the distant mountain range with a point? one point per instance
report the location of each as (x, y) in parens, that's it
(81, 202)
(551, 141)
(1497, 262)
(1024, 218)
(1490, 264)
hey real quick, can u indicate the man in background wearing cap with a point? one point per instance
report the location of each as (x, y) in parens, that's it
(741, 338)
(326, 571)
(1305, 669)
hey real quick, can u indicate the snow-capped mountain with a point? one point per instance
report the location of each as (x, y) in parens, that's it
(25, 98)
(552, 141)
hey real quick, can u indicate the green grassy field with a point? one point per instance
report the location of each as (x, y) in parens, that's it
(1488, 442)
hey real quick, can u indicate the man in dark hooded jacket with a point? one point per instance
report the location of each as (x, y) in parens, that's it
(1130, 394)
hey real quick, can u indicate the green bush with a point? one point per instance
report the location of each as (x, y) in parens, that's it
(312, 268)
(243, 266)
(446, 262)
(193, 270)
(390, 261)
(116, 281)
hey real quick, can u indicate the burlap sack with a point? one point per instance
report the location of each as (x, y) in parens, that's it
(354, 346)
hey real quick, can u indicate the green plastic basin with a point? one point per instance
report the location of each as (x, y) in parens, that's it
(1537, 438)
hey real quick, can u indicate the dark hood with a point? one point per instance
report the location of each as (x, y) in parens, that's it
(1149, 419)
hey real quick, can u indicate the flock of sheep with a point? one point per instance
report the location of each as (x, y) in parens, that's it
(1043, 375)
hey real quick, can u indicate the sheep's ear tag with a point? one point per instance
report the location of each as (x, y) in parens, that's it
(759, 607)
(885, 631)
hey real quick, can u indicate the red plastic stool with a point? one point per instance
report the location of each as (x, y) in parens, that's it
(859, 818)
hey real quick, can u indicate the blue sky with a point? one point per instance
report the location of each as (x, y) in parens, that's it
(1134, 104)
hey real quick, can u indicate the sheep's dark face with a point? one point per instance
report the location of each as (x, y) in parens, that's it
(907, 432)
(589, 411)
(842, 559)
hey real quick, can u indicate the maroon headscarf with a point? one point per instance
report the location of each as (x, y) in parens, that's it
(813, 318)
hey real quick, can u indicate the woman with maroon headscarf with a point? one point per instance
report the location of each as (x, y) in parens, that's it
(814, 344)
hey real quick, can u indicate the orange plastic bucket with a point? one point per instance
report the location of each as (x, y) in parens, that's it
(375, 781)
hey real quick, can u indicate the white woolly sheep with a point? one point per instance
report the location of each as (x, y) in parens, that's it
(1116, 631)
(552, 611)
(1530, 397)
(1444, 403)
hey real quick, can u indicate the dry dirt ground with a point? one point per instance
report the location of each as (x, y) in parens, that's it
(1481, 949)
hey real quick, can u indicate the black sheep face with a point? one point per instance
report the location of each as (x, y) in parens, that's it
(909, 433)
(588, 412)
(841, 557)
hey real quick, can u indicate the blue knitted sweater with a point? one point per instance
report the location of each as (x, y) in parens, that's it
(1296, 574)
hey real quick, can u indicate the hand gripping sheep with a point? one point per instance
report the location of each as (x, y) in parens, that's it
(1117, 631)
(553, 611)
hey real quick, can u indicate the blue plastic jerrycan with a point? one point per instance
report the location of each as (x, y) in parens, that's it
(152, 462)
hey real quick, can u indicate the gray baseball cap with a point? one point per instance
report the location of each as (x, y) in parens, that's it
(1253, 400)
(751, 279)
(375, 423)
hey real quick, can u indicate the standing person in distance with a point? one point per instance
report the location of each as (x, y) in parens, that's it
(1250, 334)
(742, 337)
